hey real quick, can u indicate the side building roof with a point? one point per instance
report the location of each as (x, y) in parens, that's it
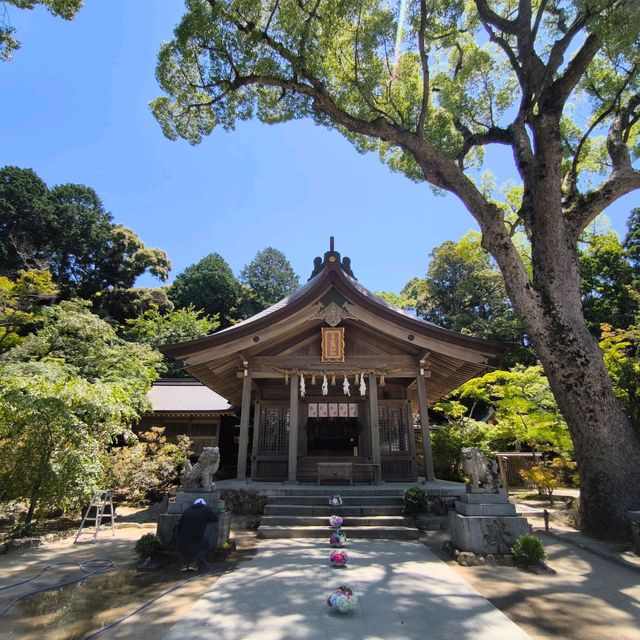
(186, 396)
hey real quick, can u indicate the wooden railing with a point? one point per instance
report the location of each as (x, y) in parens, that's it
(271, 468)
(399, 468)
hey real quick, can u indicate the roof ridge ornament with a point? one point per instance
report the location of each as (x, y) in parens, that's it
(333, 314)
(332, 259)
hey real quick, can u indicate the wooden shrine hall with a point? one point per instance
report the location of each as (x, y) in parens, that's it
(333, 377)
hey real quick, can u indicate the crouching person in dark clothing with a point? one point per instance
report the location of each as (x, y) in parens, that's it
(192, 546)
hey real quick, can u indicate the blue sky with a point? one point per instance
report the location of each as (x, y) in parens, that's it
(75, 109)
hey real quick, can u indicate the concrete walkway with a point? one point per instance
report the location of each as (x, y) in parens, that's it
(404, 591)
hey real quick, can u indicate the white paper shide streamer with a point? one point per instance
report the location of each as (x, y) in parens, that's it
(363, 386)
(325, 386)
(303, 388)
(345, 386)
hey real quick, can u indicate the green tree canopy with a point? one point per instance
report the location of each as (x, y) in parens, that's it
(400, 300)
(66, 9)
(66, 229)
(156, 328)
(464, 291)
(21, 304)
(270, 277)
(90, 348)
(430, 86)
(608, 292)
(53, 425)
(65, 392)
(117, 305)
(209, 286)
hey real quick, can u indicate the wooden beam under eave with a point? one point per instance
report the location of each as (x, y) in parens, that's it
(432, 344)
(268, 374)
(245, 342)
(312, 363)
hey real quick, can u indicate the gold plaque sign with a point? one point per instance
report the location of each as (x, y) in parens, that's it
(332, 344)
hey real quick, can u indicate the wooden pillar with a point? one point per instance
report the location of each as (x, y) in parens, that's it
(293, 429)
(256, 437)
(373, 418)
(424, 424)
(245, 415)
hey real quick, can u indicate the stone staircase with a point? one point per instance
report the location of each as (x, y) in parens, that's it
(304, 513)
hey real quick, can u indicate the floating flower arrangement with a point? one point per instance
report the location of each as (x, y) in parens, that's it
(339, 558)
(343, 599)
(336, 521)
(335, 501)
(338, 538)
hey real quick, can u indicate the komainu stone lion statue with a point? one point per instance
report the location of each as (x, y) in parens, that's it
(484, 476)
(200, 475)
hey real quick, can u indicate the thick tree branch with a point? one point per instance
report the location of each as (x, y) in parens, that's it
(623, 179)
(556, 95)
(587, 207)
(493, 135)
(490, 17)
(424, 61)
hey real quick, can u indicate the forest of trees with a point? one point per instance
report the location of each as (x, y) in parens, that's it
(79, 341)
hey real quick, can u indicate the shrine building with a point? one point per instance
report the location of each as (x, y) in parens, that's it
(333, 374)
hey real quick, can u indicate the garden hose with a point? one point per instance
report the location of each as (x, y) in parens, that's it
(212, 572)
(88, 568)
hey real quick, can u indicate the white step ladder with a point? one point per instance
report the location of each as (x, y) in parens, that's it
(102, 502)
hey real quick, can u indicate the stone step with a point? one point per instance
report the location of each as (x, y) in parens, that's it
(326, 510)
(382, 533)
(347, 501)
(321, 521)
(326, 491)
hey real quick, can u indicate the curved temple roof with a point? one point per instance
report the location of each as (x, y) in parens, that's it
(452, 358)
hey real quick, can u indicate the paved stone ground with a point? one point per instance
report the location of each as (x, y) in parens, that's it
(405, 593)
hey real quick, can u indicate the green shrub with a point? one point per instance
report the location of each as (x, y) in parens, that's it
(243, 501)
(253, 523)
(565, 471)
(542, 477)
(528, 550)
(415, 502)
(148, 546)
(145, 470)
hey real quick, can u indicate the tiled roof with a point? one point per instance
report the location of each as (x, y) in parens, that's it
(185, 395)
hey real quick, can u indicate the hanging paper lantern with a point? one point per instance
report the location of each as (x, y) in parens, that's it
(339, 558)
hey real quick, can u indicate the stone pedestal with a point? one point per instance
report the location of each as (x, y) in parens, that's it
(216, 533)
(485, 523)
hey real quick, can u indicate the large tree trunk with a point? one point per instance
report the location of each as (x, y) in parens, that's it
(606, 445)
